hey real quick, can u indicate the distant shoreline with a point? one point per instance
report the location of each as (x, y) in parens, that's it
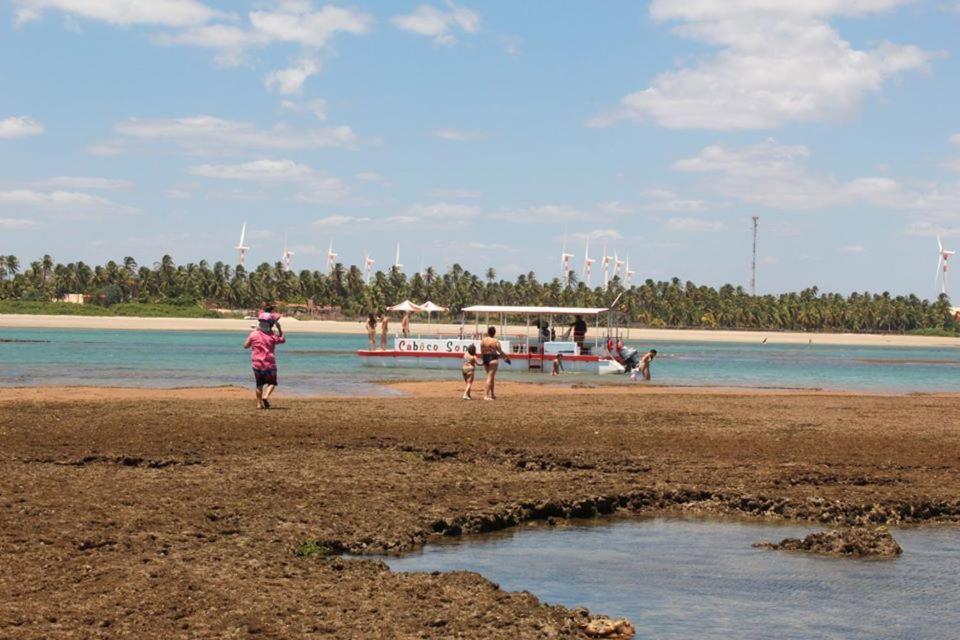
(23, 321)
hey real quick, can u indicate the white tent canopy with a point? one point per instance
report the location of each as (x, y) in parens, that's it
(573, 311)
(406, 305)
(431, 307)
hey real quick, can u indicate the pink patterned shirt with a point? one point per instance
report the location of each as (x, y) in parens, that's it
(263, 347)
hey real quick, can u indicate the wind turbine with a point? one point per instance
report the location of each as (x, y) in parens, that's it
(942, 257)
(587, 263)
(565, 263)
(396, 262)
(606, 267)
(241, 248)
(617, 264)
(629, 273)
(287, 254)
(368, 267)
(331, 258)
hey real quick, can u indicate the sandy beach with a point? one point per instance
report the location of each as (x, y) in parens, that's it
(17, 321)
(183, 514)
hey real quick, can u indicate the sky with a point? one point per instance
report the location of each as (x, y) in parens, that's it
(489, 134)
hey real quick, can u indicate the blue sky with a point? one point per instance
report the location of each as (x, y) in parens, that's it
(488, 134)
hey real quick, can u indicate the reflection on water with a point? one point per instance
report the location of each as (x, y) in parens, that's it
(701, 579)
(327, 364)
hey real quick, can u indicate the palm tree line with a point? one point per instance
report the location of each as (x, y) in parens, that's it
(653, 304)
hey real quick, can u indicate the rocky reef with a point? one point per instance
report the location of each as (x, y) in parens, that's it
(852, 542)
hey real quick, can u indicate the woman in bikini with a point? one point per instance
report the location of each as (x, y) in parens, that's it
(372, 331)
(491, 352)
(469, 370)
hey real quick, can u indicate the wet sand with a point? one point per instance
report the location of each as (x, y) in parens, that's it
(178, 516)
(18, 321)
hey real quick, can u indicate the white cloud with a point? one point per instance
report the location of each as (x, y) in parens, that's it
(454, 193)
(306, 27)
(693, 225)
(778, 62)
(206, 133)
(458, 135)
(177, 194)
(317, 107)
(318, 186)
(290, 22)
(170, 13)
(290, 80)
(444, 211)
(84, 182)
(19, 127)
(18, 224)
(369, 176)
(438, 24)
(341, 222)
(852, 249)
(611, 235)
(541, 213)
(667, 200)
(61, 202)
(775, 175)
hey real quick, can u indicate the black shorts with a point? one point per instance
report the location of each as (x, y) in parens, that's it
(489, 357)
(265, 376)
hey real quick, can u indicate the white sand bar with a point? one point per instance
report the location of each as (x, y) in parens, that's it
(18, 321)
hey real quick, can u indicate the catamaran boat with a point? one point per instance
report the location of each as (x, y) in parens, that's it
(534, 349)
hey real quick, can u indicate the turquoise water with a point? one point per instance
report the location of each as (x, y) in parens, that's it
(326, 364)
(680, 579)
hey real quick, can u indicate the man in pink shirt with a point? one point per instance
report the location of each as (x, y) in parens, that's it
(263, 343)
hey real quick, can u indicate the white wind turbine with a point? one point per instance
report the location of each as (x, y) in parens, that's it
(629, 274)
(942, 257)
(368, 263)
(587, 263)
(287, 254)
(606, 267)
(331, 258)
(241, 248)
(565, 259)
(396, 262)
(617, 265)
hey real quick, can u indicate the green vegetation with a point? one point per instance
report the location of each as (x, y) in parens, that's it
(311, 548)
(126, 288)
(132, 309)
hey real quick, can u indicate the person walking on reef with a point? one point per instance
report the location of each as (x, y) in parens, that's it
(490, 353)
(263, 342)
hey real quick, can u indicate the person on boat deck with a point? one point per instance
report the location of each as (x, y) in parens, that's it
(491, 352)
(644, 367)
(469, 370)
(579, 327)
(384, 328)
(558, 365)
(263, 344)
(372, 331)
(405, 324)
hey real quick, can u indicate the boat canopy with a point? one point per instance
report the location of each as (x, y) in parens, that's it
(573, 311)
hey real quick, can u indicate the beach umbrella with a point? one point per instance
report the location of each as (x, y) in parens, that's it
(430, 307)
(406, 305)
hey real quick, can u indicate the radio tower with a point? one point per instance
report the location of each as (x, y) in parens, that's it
(753, 265)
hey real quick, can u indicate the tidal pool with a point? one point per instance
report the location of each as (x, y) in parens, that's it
(681, 578)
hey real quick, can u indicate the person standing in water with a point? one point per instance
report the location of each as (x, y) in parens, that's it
(384, 328)
(405, 324)
(372, 331)
(491, 352)
(263, 344)
(469, 370)
(644, 367)
(558, 365)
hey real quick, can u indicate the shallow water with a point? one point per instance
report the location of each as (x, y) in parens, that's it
(676, 578)
(326, 364)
